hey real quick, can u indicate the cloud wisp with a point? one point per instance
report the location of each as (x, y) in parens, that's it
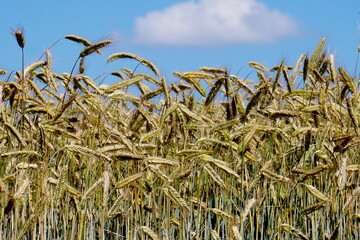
(214, 23)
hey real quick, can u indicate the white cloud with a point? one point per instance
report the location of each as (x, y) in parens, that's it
(214, 23)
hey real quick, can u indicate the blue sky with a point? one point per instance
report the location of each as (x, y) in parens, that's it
(181, 35)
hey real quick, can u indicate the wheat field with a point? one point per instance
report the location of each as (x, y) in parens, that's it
(205, 155)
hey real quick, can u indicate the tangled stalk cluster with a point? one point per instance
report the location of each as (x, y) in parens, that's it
(207, 156)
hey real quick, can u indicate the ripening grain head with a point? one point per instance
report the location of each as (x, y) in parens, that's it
(20, 38)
